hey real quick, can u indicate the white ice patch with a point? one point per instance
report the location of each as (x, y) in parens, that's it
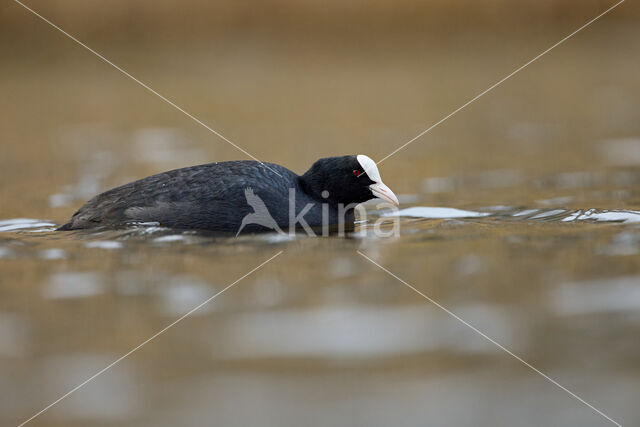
(627, 216)
(22, 224)
(548, 213)
(435, 213)
(370, 167)
(170, 238)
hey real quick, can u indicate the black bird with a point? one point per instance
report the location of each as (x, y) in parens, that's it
(240, 196)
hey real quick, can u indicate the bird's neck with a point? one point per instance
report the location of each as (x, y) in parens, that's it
(309, 185)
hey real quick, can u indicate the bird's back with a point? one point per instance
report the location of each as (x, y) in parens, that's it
(209, 196)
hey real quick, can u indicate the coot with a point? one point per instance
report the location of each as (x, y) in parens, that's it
(240, 197)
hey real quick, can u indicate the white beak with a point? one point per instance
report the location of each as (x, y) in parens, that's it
(383, 192)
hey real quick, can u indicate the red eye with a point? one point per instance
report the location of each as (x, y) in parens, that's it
(356, 172)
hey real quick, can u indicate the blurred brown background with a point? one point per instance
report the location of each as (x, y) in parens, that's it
(321, 336)
(153, 20)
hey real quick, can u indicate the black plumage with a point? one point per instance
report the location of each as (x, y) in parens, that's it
(233, 196)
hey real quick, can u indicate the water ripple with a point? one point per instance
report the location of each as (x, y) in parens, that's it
(16, 224)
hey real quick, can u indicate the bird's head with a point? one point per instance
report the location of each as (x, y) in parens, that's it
(348, 179)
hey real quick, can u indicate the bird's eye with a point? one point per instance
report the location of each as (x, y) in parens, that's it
(356, 172)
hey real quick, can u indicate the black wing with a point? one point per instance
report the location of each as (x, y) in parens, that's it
(208, 196)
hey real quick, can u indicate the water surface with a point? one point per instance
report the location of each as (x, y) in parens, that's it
(520, 214)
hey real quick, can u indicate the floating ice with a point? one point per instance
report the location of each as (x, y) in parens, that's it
(547, 214)
(627, 216)
(22, 224)
(435, 213)
(526, 212)
(170, 238)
